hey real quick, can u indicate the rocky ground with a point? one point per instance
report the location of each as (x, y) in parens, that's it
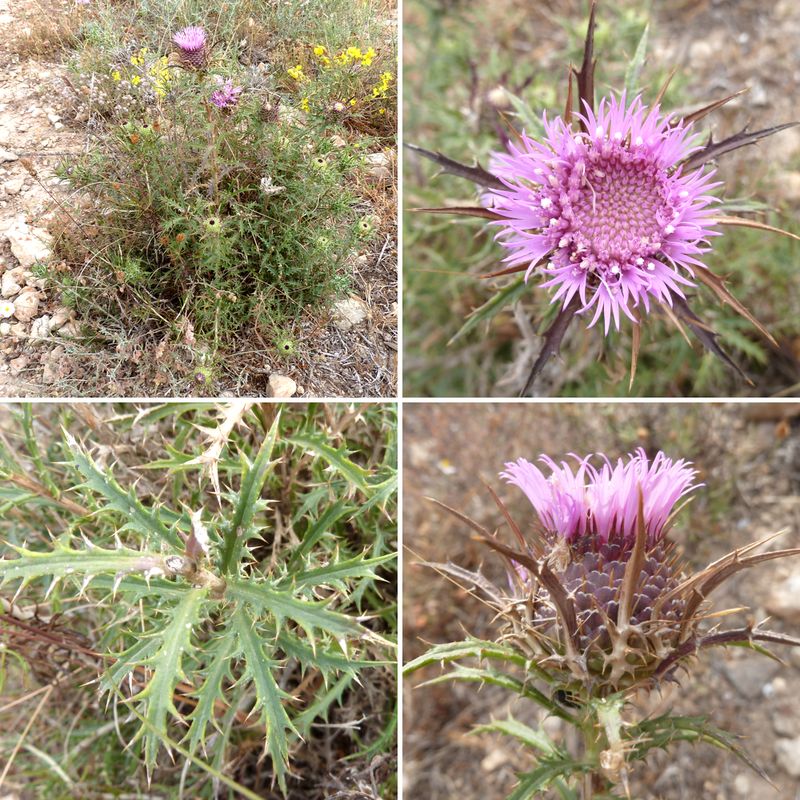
(34, 328)
(44, 350)
(749, 459)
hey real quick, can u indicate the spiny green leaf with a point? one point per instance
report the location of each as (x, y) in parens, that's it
(63, 561)
(174, 640)
(470, 648)
(335, 574)
(536, 739)
(322, 705)
(498, 301)
(497, 678)
(548, 771)
(328, 662)
(137, 516)
(282, 605)
(321, 526)
(258, 668)
(337, 459)
(219, 654)
(249, 494)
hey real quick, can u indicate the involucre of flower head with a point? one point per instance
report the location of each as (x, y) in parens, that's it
(192, 47)
(611, 208)
(227, 96)
(602, 503)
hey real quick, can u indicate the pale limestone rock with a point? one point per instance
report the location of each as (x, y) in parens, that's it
(281, 385)
(26, 305)
(28, 245)
(349, 312)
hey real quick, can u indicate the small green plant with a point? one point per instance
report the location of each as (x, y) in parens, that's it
(236, 576)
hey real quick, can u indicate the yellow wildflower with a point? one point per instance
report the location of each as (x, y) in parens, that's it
(319, 50)
(136, 80)
(116, 75)
(304, 104)
(297, 73)
(354, 53)
(368, 57)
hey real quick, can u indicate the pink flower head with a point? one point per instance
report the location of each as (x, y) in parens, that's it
(192, 46)
(603, 503)
(611, 209)
(227, 96)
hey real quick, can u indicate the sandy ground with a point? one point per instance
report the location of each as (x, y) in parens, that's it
(749, 459)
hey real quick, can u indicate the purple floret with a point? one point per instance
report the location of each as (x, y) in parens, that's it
(610, 211)
(227, 96)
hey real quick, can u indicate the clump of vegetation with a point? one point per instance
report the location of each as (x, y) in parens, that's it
(215, 585)
(223, 197)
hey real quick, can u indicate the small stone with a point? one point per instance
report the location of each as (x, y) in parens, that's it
(40, 329)
(11, 282)
(53, 118)
(14, 186)
(29, 245)
(7, 155)
(338, 142)
(787, 753)
(786, 722)
(26, 305)
(19, 330)
(349, 312)
(5, 328)
(496, 758)
(784, 602)
(61, 317)
(749, 675)
(380, 166)
(281, 385)
(18, 364)
(741, 784)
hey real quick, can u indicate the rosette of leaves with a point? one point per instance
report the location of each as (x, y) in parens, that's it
(598, 609)
(232, 605)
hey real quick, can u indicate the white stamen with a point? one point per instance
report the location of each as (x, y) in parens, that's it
(651, 266)
(669, 229)
(599, 131)
(553, 222)
(639, 262)
(639, 141)
(546, 202)
(684, 193)
(564, 241)
(615, 270)
(618, 136)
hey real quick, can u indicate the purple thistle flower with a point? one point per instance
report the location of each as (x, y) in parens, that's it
(611, 208)
(192, 46)
(227, 96)
(602, 504)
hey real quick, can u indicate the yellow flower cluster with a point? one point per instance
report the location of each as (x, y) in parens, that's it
(352, 55)
(158, 72)
(382, 87)
(297, 73)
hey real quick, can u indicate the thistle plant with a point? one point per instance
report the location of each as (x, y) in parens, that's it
(599, 611)
(233, 586)
(612, 206)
